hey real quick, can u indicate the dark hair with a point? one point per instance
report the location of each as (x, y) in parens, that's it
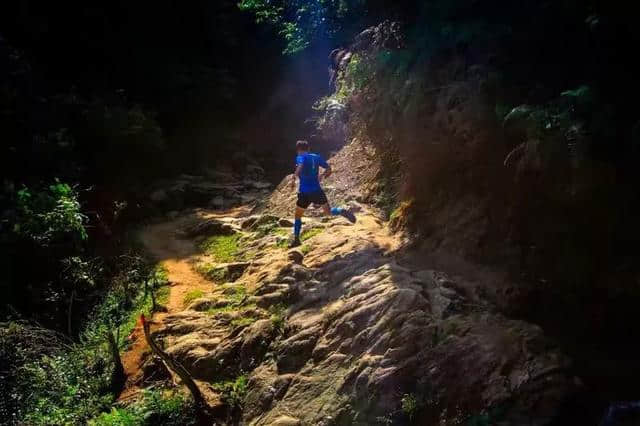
(302, 146)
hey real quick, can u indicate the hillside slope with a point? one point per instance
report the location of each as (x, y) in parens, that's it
(347, 330)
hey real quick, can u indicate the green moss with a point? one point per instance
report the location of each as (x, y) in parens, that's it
(235, 299)
(191, 296)
(307, 234)
(223, 248)
(243, 322)
(238, 295)
(305, 249)
(226, 308)
(212, 272)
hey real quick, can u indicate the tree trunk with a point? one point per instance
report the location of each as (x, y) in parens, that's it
(70, 312)
(177, 368)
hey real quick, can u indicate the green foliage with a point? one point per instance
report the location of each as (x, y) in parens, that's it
(233, 392)
(156, 407)
(357, 75)
(69, 383)
(213, 272)
(410, 405)
(50, 216)
(123, 304)
(307, 234)
(223, 248)
(238, 293)
(300, 22)
(66, 388)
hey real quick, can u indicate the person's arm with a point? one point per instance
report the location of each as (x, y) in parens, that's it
(327, 168)
(296, 175)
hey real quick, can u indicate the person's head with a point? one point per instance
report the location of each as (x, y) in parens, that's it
(302, 146)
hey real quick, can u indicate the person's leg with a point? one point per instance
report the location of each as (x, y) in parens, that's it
(338, 211)
(301, 205)
(297, 224)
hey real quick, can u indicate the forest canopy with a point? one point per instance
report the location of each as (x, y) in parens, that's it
(302, 22)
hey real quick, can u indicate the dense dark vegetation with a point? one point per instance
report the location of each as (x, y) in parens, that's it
(510, 128)
(97, 101)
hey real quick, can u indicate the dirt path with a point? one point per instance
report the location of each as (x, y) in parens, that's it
(176, 256)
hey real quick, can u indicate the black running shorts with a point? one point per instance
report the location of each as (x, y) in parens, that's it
(318, 198)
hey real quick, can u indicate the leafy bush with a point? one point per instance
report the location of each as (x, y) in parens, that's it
(44, 225)
(47, 380)
(50, 380)
(66, 388)
(157, 407)
(122, 306)
(50, 216)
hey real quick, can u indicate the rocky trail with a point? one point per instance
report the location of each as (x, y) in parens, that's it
(350, 328)
(174, 255)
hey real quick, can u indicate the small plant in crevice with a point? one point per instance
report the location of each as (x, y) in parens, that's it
(233, 392)
(278, 316)
(410, 405)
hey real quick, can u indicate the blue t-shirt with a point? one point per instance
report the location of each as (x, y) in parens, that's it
(309, 174)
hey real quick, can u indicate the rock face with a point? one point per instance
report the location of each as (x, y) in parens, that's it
(373, 331)
(348, 334)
